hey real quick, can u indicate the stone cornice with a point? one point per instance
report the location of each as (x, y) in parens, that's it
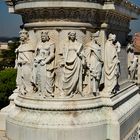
(122, 3)
(58, 24)
(57, 4)
(89, 1)
(121, 6)
(58, 14)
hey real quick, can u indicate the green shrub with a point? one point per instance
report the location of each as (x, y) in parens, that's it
(7, 85)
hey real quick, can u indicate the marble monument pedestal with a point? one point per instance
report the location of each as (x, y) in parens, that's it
(6, 110)
(99, 118)
(78, 118)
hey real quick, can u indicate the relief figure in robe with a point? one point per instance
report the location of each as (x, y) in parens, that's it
(111, 65)
(72, 66)
(43, 74)
(24, 64)
(94, 64)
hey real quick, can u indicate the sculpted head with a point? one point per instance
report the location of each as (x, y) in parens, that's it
(95, 36)
(72, 36)
(112, 37)
(44, 36)
(23, 35)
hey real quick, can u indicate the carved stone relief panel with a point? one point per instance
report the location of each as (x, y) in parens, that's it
(68, 63)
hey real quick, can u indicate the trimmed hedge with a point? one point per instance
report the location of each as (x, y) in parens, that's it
(7, 85)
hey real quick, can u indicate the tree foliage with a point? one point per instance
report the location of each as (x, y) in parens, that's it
(8, 56)
(7, 85)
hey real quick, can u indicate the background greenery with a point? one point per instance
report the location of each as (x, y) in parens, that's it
(7, 72)
(7, 85)
(7, 56)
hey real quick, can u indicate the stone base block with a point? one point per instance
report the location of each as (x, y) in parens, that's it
(100, 118)
(72, 119)
(73, 133)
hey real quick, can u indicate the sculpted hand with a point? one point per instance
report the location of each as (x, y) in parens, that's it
(42, 63)
(24, 62)
(88, 65)
(15, 66)
(16, 50)
(61, 64)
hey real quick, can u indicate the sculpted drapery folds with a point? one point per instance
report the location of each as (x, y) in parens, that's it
(24, 61)
(80, 67)
(111, 65)
(72, 66)
(94, 64)
(43, 73)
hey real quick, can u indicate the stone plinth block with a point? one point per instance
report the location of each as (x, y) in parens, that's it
(97, 118)
(61, 119)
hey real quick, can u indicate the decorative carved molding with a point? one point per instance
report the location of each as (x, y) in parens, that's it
(124, 3)
(135, 135)
(59, 118)
(62, 104)
(114, 20)
(58, 14)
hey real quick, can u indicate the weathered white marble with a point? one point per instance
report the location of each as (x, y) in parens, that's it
(23, 63)
(65, 80)
(111, 64)
(4, 112)
(43, 70)
(72, 66)
(94, 64)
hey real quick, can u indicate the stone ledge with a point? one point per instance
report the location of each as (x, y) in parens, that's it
(57, 4)
(124, 94)
(58, 24)
(62, 104)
